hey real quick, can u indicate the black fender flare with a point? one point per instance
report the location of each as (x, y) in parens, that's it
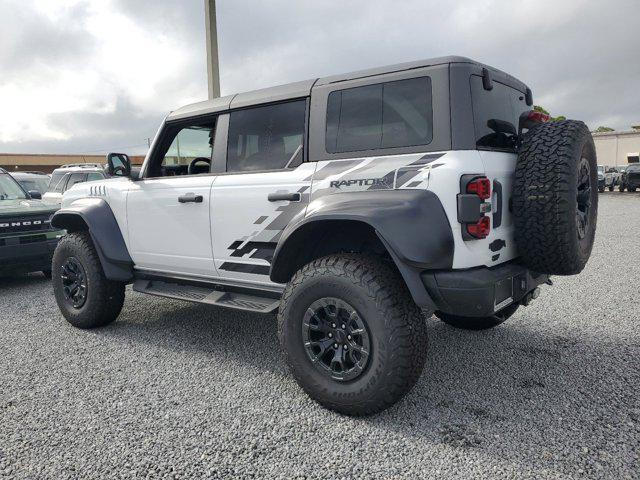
(95, 215)
(412, 225)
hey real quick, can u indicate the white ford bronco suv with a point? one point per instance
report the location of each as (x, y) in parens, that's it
(356, 206)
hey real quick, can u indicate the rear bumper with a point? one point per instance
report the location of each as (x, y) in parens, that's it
(26, 257)
(480, 292)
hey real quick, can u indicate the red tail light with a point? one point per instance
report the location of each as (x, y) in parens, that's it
(480, 229)
(480, 186)
(539, 117)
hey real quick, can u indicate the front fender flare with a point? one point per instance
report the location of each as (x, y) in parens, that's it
(95, 215)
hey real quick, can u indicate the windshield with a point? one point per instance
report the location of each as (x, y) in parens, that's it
(600, 169)
(35, 183)
(9, 189)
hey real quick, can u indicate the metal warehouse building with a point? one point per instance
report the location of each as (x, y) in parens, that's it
(14, 162)
(617, 148)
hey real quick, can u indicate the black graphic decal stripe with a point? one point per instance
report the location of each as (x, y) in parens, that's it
(428, 158)
(263, 250)
(245, 268)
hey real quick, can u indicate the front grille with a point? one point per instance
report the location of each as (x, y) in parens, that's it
(10, 226)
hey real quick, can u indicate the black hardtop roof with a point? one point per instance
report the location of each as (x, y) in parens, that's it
(303, 88)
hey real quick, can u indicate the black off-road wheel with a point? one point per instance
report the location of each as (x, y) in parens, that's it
(611, 188)
(555, 199)
(352, 336)
(478, 323)
(621, 188)
(86, 298)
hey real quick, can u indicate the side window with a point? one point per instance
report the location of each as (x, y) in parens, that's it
(56, 184)
(93, 176)
(384, 115)
(76, 178)
(266, 138)
(190, 152)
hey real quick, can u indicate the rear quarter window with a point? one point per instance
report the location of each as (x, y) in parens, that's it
(379, 116)
(496, 114)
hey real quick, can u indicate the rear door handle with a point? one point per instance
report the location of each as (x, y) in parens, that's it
(190, 198)
(277, 197)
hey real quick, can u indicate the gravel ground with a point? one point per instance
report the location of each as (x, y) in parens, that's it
(179, 390)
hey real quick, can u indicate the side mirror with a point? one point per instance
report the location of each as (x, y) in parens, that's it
(118, 165)
(35, 194)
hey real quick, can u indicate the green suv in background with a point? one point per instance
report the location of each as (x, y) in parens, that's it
(27, 240)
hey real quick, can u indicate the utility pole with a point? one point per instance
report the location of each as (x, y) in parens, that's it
(213, 70)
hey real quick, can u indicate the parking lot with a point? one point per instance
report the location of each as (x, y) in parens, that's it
(182, 390)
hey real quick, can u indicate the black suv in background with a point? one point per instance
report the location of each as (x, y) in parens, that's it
(630, 178)
(27, 240)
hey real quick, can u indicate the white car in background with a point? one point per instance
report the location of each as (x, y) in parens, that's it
(66, 176)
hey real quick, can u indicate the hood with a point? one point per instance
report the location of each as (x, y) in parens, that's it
(25, 207)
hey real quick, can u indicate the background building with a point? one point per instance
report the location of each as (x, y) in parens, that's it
(617, 148)
(14, 162)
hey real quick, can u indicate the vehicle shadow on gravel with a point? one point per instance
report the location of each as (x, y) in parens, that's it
(515, 385)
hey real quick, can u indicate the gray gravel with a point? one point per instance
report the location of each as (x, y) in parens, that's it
(181, 390)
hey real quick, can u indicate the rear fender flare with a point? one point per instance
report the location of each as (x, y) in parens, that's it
(411, 224)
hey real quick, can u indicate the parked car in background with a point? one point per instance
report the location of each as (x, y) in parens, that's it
(33, 181)
(27, 240)
(630, 179)
(66, 176)
(621, 170)
(611, 177)
(601, 178)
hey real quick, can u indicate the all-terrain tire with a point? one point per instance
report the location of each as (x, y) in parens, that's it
(611, 188)
(104, 298)
(621, 188)
(396, 328)
(555, 179)
(478, 323)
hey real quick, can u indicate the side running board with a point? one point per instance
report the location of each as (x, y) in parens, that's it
(209, 294)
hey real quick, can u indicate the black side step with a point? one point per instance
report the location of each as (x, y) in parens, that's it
(253, 301)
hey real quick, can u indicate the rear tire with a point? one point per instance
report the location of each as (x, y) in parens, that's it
(621, 188)
(86, 298)
(611, 188)
(396, 333)
(478, 323)
(555, 202)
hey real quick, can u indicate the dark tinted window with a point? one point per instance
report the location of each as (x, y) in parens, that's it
(385, 115)
(266, 138)
(496, 114)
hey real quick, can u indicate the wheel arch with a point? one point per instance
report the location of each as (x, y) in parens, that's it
(95, 216)
(408, 226)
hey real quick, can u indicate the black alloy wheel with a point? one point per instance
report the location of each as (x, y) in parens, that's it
(74, 282)
(336, 339)
(583, 198)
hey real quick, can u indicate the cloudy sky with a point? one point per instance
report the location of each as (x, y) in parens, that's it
(89, 76)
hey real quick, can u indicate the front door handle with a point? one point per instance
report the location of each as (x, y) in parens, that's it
(190, 198)
(277, 197)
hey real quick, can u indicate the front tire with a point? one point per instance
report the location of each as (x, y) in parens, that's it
(86, 298)
(352, 336)
(478, 323)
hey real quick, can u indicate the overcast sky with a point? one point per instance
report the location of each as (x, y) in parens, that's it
(81, 76)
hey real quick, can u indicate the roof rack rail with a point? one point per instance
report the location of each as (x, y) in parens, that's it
(86, 165)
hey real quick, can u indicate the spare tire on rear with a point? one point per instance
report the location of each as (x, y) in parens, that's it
(555, 197)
